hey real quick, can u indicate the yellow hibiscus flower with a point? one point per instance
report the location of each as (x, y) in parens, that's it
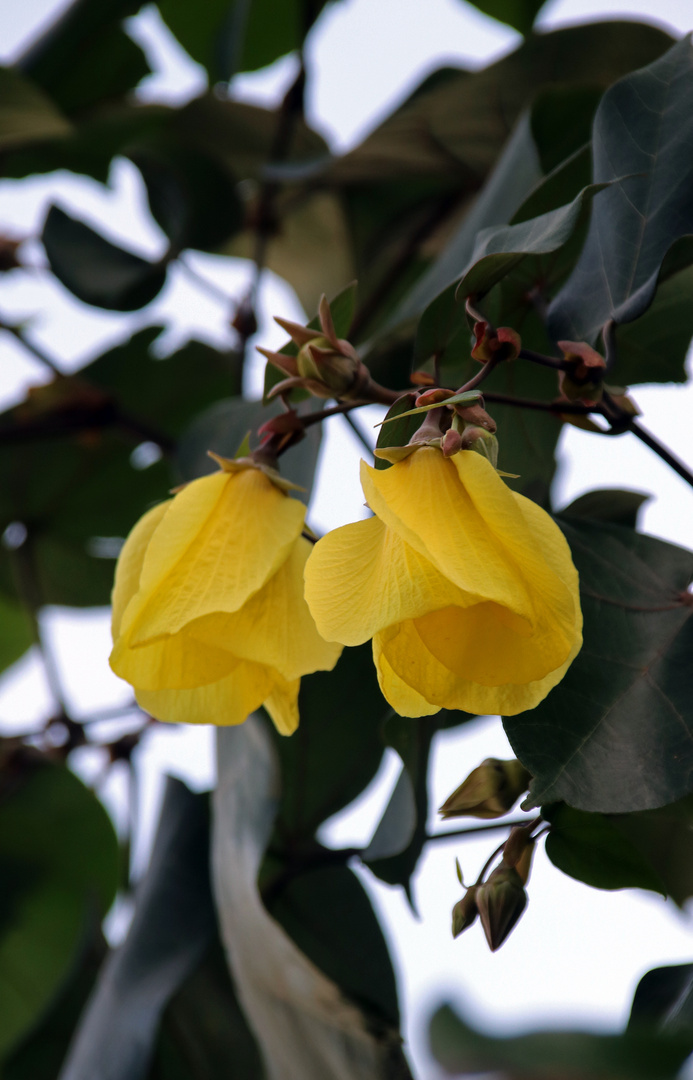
(467, 589)
(209, 619)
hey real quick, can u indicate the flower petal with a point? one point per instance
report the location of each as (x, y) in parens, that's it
(221, 539)
(282, 705)
(129, 565)
(228, 701)
(178, 662)
(363, 577)
(422, 499)
(275, 626)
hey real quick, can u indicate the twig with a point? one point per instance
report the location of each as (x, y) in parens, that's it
(666, 455)
(19, 334)
(455, 834)
(541, 358)
(204, 283)
(359, 433)
(480, 375)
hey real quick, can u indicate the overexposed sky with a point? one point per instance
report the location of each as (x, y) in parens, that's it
(577, 953)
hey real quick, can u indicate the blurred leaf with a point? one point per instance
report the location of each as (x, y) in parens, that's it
(615, 505)
(642, 136)
(95, 270)
(546, 1055)
(664, 999)
(85, 56)
(41, 1054)
(520, 14)
(395, 830)
(627, 695)
(16, 632)
(223, 427)
(665, 838)
(173, 924)
(191, 197)
(26, 114)
(591, 848)
(327, 913)
(399, 432)
(336, 751)
(304, 1025)
(203, 1029)
(59, 858)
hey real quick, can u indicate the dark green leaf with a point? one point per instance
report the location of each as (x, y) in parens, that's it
(337, 749)
(85, 56)
(520, 14)
(191, 197)
(26, 114)
(664, 999)
(544, 1055)
(16, 632)
(665, 838)
(59, 859)
(203, 1029)
(96, 271)
(173, 925)
(616, 734)
(562, 117)
(329, 916)
(399, 432)
(615, 505)
(642, 135)
(223, 427)
(591, 848)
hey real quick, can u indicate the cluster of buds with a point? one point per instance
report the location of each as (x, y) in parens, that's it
(325, 365)
(491, 344)
(455, 425)
(498, 901)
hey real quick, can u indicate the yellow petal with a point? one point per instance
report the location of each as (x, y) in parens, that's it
(403, 698)
(282, 705)
(222, 538)
(228, 701)
(422, 500)
(363, 577)
(178, 662)
(129, 565)
(274, 627)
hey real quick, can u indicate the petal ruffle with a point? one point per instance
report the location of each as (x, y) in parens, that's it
(282, 705)
(363, 577)
(130, 560)
(228, 701)
(221, 539)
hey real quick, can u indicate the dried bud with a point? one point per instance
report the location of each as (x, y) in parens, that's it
(500, 901)
(583, 380)
(464, 912)
(476, 416)
(518, 851)
(489, 791)
(500, 344)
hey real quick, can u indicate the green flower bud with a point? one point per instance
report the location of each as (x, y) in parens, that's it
(464, 912)
(489, 791)
(500, 902)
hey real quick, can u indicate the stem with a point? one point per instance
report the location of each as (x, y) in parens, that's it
(475, 829)
(488, 862)
(18, 333)
(204, 283)
(480, 375)
(609, 339)
(540, 358)
(666, 455)
(359, 433)
(573, 408)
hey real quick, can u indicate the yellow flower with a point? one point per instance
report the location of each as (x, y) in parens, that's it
(467, 589)
(209, 620)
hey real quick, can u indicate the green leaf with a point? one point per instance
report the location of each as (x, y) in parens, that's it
(400, 431)
(203, 1028)
(85, 56)
(665, 839)
(520, 14)
(336, 751)
(192, 198)
(313, 1022)
(96, 271)
(327, 913)
(616, 735)
(26, 114)
(591, 848)
(664, 999)
(544, 1055)
(59, 858)
(16, 632)
(173, 925)
(614, 505)
(642, 136)
(223, 427)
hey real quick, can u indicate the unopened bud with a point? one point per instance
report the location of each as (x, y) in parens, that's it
(465, 912)
(481, 442)
(501, 344)
(500, 902)
(489, 791)
(518, 851)
(335, 371)
(476, 416)
(451, 443)
(583, 379)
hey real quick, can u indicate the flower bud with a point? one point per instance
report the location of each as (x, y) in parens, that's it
(500, 344)
(583, 379)
(500, 902)
(489, 791)
(481, 442)
(518, 851)
(464, 912)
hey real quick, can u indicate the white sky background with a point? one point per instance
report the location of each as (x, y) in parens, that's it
(577, 953)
